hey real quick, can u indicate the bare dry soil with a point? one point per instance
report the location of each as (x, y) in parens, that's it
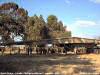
(55, 64)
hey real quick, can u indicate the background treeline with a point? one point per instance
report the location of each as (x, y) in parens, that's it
(14, 21)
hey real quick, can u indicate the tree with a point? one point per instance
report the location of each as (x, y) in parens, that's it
(52, 22)
(8, 6)
(35, 28)
(60, 26)
(12, 21)
(57, 29)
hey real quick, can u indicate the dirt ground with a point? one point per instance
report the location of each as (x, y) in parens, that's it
(87, 64)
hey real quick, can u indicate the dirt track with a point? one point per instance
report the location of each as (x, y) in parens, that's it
(69, 64)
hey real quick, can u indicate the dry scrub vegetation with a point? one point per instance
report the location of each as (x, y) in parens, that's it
(61, 64)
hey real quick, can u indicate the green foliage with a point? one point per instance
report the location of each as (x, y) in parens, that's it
(35, 28)
(39, 29)
(58, 30)
(52, 22)
(59, 34)
(8, 6)
(15, 20)
(12, 20)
